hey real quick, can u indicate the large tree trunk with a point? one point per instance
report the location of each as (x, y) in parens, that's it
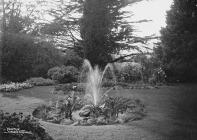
(2, 31)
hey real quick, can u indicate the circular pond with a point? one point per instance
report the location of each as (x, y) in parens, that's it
(75, 110)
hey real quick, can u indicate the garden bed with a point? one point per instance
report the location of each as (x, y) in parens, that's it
(17, 126)
(36, 81)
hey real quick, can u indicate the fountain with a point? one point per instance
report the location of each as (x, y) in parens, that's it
(94, 106)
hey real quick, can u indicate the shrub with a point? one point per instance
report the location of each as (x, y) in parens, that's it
(60, 109)
(25, 127)
(64, 74)
(58, 76)
(39, 81)
(128, 72)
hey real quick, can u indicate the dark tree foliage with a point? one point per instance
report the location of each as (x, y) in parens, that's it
(22, 58)
(16, 57)
(102, 30)
(179, 41)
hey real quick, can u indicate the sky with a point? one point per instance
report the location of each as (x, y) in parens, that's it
(154, 10)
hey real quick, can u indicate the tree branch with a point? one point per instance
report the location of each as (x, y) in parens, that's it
(133, 54)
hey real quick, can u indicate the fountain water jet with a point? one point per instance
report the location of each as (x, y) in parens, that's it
(94, 81)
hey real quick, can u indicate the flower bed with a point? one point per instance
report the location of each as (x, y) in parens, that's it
(12, 87)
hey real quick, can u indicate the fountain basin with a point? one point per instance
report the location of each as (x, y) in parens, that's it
(87, 115)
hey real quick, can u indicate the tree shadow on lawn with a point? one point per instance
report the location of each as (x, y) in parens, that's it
(185, 116)
(12, 95)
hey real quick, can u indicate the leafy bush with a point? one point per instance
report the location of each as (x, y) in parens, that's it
(64, 74)
(11, 87)
(18, 126)
(39, 81)
(116, 105)
(128, 72)
(53, 70)
(158, 76)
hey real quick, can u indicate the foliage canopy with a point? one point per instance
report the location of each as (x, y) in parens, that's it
(179, 41)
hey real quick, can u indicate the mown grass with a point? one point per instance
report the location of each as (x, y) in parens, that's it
(171, 110)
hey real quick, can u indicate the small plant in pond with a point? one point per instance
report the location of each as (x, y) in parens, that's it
(70, 104)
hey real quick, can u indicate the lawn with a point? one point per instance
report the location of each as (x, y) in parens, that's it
(171, 114)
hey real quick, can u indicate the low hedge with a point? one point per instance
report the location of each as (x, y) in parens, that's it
(39, 81)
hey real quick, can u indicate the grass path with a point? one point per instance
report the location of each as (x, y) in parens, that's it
(171, 115)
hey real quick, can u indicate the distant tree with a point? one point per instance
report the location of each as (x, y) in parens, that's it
(18, 17)
(24, 54)
(179, 41)
(64, 28)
